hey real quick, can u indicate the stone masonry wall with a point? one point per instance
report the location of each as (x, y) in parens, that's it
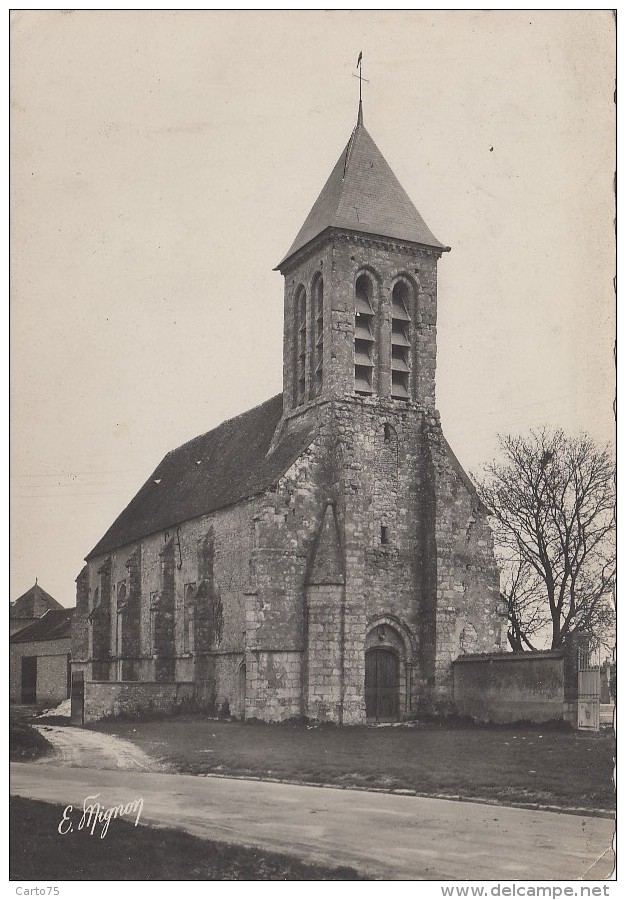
(510, 687)
(81, 627)
(130, 619)
(386, 262)
(379, 508)
(211, 555)
(275, 680)
(469, 617)
(417, 549)
(113, 698)
(317, 262)
(164, 624)
(286, 524)
(340, 259)
(382, 466)
(324, 662)
(101, 620)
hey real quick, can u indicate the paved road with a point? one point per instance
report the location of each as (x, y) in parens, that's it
(383, 835)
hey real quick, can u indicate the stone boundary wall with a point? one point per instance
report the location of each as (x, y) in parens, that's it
(104, 698)
(511, 687)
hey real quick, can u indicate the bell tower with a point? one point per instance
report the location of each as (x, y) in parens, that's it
(361, 290)
(398, 553)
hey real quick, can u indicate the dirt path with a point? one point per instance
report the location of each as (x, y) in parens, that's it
(81, 748)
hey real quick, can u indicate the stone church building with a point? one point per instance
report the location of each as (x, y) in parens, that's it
(324, 554)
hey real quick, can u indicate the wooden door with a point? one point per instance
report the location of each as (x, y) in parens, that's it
(29, 679)
(381, 685)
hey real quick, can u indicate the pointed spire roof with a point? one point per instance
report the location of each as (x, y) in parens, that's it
(363, 194)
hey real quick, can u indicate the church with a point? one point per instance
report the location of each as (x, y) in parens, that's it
(323, 555)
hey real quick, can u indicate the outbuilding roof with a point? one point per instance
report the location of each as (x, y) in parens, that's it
(34, 602)
(224, 466)
(54, 624)
(363, 194)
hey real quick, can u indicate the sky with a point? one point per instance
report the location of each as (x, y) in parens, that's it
(162, 163)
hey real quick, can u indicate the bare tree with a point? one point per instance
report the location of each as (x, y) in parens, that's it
(552, 499)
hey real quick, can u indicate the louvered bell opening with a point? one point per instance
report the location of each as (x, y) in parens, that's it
(399, 359)
(363, 353)
(363, 379)
(399, 335)
(400, 385)
(398, 310)
(364, 306)
(362, 328)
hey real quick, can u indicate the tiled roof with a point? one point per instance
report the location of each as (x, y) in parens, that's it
(460, 471)
(363, 194)
(54, 624)
(33, 603)
(217, 469)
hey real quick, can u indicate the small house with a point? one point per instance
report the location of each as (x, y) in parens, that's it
(40, 656)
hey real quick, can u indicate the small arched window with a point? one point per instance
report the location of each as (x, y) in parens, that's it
(94, 606)
(121, 595)
(364, 330)
(188, 617)
(400, 340)
(119, 640)
(318, 336)
(300, 323)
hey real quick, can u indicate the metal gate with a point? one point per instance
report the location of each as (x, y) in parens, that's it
(381, 685)
(78, 698)
(589, 699)
(29, 679)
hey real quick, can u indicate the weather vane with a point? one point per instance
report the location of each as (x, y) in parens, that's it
(360, 75)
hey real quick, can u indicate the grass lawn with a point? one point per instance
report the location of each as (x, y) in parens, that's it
(509, 764)
(128, 853)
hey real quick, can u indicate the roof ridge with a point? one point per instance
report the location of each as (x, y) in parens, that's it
(349, 147)
(235, 467)
(215, 427)
(40, 630)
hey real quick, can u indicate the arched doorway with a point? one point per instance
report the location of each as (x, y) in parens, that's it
(382, 683)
